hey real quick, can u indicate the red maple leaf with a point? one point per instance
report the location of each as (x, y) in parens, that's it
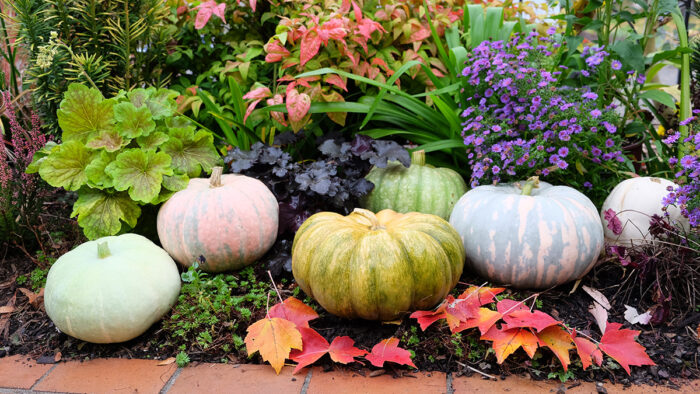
(295, 311)
(388, 350)
(558, 340)
(506, 306)
(524, 318)
(426, 318)
(342, 350)
(587, 351)
(484, 320)
(621, 346)
(314, 346)
(507, 341)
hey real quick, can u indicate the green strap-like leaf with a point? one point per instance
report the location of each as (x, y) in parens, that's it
(141, 172)
(100, 213)
(84, 113)
(65, 166)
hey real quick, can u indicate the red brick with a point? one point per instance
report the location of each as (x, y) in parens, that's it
(20, 372)
(240, 378)
(342, 381)
(107, 376)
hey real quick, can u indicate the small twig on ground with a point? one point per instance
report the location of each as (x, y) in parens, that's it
(477, 371)
(274, 285)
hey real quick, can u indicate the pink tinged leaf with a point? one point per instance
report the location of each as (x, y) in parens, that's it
(297, 105)
(387, 350)
(276, 115)
(259, 93)
(345, 7)
(366, 27)
(314, 346)
(295, 311)
(310, 44)
(250, 109)
(506, 306)
(342, 350)
(337, 80)
(253, 4)
(275, 52)
(622, 347)
(358, 12)
(524, 318)
(333, 29)
(205, 11)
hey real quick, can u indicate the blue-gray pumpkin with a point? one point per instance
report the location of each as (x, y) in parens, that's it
(535, 236)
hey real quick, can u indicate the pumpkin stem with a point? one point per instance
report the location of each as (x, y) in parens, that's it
(369, 215)
(103, 250)
(215, 179)
(532, 182)
(418, 157)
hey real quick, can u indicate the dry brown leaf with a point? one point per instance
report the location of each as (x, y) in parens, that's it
(35, 299)
(597, 296)
(57, 357)
(167, 361)
(6, 309)
(600, 314)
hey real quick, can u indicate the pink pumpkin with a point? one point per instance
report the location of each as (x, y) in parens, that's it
(231, 220)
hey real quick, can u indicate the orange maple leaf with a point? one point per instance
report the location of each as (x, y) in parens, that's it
(558, 340)
(274, 338)
(505, 342)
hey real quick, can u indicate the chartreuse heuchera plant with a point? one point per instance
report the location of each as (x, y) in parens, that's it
(122, 153)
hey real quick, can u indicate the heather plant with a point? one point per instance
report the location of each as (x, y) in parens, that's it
(122, 153)
(521, 123)
(22, 195)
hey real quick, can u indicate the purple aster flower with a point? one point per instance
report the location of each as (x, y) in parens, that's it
(641, 79)
(563, 151)
(687, 161)
(495, 170)
(609, 127)
(596, 113)
(589, 96)
(596, 151)
(687, 121)
(616, 65)
(562, 164)
(609, 143)
(588, 185)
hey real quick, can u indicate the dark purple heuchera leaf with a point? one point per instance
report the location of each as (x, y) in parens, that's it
(389, 150)
(360, 144)
(240, 161)
(361, 187)
(614, 223)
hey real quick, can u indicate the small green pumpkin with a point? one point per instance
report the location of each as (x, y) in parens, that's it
(376, 267)
(111, 289)
(419, 188)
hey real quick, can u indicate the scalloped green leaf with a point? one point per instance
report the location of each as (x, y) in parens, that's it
(101, 213)
(84, 113)
(138, 97)
(153, 140)
(191, 152)
(175, 182)
(109, 140)
(133, 122)
(160, 102)
(140, 172)
(65, 166)
(39, 157)
(95, 171)
(163, 196)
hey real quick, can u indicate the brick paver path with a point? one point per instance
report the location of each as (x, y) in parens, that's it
(20, 374)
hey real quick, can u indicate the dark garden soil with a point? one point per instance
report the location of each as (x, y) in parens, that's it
(673, 345)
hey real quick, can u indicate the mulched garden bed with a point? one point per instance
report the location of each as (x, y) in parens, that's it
(674, 346)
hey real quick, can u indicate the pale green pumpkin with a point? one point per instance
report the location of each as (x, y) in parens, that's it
(111, 289)
(376, 267)
(419, 188)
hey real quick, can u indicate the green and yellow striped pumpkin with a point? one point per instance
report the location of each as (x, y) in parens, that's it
(529, 237)
(419, 188)
(376, 267)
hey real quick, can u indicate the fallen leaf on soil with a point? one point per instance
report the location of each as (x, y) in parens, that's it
(633, 317)
(597, 296)
(525, 318)
(6, 309)
(293, 310)
(343, 350)
(274, 338)
(5, 320)
(506, 306)
(314, 346)
(35, 299)
(388, 350)
(507, 341)
(57, 357)
(587, 351)
(485, 319)
(167, 361)
(621, 346)
(600, 314)
(426, 318)
(558, 341)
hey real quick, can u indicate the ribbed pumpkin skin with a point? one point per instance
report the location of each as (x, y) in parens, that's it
(232, 225)
(411, 262)
(634, 201)
(548, 238)
(111, 299)
(419, 188)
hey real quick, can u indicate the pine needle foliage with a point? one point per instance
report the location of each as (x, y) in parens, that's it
(113, 44)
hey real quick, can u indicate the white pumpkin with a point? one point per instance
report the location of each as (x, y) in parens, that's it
(533, 235)
(634, 201)
(111, 289)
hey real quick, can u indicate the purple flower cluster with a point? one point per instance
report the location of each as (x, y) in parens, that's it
(522, 123)
(687, 195)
